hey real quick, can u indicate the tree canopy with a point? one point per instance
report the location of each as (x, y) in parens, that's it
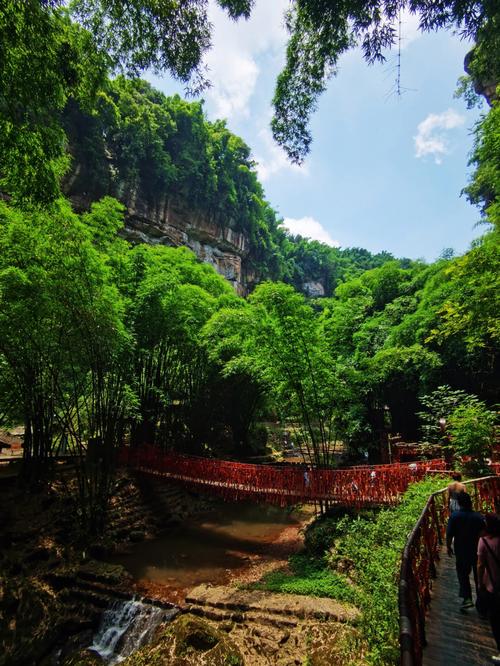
(322, 30)
(102, 341)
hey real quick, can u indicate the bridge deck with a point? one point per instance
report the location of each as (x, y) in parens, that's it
(453, 637)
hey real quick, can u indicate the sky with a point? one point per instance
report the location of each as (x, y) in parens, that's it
(385, 172)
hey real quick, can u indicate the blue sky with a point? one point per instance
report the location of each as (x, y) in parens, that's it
(385, 171)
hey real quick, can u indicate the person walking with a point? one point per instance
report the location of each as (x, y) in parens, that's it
(462, 535)
(455, 487)
(488, 576)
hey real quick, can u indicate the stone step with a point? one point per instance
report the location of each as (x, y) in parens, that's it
(292, 605)
(239, 617)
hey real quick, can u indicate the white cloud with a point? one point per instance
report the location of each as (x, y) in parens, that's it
(409, 28)
(233, 69)
(431, 138)
(230, 94)
(273, 159)
(308, 227)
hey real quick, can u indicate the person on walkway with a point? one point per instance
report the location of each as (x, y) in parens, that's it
(455, 487)
(463, 530)
(488, 575)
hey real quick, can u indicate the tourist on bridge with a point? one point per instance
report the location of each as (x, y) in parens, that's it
(464, 528)
(488, 576)
(454, 488)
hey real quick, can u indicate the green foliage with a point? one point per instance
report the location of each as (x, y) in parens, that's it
(117, 347)
(162, 35)
(359, 564)
(63, 345)
(440, 404)
(287, 346)
(472, 430)
(484, 188)
(308, 576)
(373, 549)
(44, 62)
(471, 308)
(465, 90)
(321, 534)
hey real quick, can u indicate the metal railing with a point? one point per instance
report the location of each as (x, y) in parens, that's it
(418, 565)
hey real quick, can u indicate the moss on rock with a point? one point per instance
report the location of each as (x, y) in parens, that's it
(189, 641)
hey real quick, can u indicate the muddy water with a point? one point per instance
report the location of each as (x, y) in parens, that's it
(213, 548)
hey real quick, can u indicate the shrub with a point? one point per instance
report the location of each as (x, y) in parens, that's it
(472, 430)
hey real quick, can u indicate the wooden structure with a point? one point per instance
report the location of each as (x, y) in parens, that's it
(420, 562)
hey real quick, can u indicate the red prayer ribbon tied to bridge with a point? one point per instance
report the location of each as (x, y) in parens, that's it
(359, 486)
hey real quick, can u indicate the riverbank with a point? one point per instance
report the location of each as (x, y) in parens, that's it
(228, 544)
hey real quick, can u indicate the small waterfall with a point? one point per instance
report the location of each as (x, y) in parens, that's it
(126, 626)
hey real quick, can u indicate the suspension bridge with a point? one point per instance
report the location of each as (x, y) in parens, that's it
(430, 634)
(283, 485)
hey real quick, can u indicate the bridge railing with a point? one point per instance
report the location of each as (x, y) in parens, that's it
(418, 565)
(357, 486)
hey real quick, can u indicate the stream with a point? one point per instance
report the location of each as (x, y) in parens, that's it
(125, 627)
(229, 541)
(212, 548)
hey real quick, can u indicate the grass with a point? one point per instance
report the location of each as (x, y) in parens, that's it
(356, 559)
(308, 575)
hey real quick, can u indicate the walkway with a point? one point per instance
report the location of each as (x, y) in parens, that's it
(459, 639)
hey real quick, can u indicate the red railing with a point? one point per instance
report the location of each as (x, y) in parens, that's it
(418, 566)
(356, 486)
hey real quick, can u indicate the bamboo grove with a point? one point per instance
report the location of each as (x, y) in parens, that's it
(102, 341)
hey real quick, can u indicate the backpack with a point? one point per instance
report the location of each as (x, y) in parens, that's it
(496, 589)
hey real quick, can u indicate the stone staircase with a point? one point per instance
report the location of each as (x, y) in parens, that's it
(145, 507)
(224, 602)
(85, 592)
(272, 628)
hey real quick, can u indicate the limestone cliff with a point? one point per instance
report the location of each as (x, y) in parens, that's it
(171, 222)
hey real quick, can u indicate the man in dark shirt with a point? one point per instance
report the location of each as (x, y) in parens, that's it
(464, 528)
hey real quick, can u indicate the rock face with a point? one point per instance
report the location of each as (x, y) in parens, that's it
(313, 289)
(487, 88)
(171, 222)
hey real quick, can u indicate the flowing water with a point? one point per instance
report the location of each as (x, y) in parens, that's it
(207, 549)
(125, 627)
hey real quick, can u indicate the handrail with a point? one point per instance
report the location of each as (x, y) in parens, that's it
(355, 486)
(418, 564)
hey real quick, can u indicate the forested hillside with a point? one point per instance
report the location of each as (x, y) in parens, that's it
(102, 339)
(123, 138)
(136, 143)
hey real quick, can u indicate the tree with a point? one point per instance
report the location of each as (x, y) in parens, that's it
(241, 388)
(472, 432)
(322, 30)
(172, 297)
(484, 188)
(63, 345)
(161, 35)
(45, 60)
(439, 405)
(289, 350)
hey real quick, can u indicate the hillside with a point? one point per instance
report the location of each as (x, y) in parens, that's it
(187, 181)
